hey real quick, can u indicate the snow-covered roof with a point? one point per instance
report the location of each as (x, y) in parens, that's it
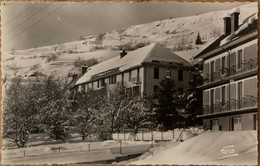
(235, 10)
(245, 25)
(133, 59)
(248, 26)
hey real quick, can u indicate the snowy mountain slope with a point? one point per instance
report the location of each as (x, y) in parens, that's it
(178, 34)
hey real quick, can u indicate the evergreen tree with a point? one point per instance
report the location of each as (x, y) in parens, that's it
(165, 107)
(193, 108)
(198, 40)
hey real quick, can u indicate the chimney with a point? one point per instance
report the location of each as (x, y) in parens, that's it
(122, 54)
(235, 20)
(227, 25)
(84, 69)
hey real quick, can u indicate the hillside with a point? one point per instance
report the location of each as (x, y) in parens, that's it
(178, 34)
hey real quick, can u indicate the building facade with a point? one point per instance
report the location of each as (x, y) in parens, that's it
(230, 66)
(139, 71)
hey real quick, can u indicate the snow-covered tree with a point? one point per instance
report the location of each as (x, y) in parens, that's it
(112, 113)
(86, 108)
(57, 108)
(137, 114)
(21, 106)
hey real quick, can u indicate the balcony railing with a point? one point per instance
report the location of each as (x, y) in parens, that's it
(231, 105)
(244, 67)
(223, 73)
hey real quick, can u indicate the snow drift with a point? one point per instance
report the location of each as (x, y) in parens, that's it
(207, 148)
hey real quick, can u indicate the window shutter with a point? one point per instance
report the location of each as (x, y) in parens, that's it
(250, 52)
(233, 59)
(206, 68)
(217, 65)
(233, 91)
(205, 97)
(250, 87)
(217, 94)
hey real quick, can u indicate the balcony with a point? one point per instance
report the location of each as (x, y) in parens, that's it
(223, 75)
(245, 67)
(246, 103)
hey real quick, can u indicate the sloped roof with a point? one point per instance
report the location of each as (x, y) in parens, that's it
(133, 59)
(247, 27)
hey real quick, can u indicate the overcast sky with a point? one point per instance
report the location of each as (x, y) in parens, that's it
(28, 25)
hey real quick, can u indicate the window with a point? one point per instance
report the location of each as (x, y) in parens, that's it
(212, 101)
(169, 73)
(255, 121)
(223, 65)
(109, 80)
(136, 90)
(114, 79)
(239, 59)
(138, 75)
(102, 82)
(155, 61)
(156, 73)
(214, 125)
(123, 77)
(98, 84)
(130, 75)
(212, 67)
(239, 95)
(223, 95)
(236, 123)
(83, 88)
(180, 75)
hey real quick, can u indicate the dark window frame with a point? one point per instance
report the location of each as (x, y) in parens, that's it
(239, 59)
(180, 75)
(130, 75)
(156, 73)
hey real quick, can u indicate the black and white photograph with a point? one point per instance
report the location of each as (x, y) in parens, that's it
(129, 83)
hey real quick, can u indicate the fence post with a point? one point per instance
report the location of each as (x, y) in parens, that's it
(88, 147)
(172, 134)
(151, 138)
(120, 145)
(59, 150)
(124, 134)
(118, 135)
(142, 134)
(162, 135)
(23, 153)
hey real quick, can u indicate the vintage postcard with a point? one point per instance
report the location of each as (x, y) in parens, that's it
(129, 83)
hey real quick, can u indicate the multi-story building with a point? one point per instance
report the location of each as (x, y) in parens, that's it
(139, 71)
(230, 77)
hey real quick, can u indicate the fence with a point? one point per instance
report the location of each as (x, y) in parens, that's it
(150, 135)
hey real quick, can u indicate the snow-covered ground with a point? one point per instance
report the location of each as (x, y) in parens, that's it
(214, 148)
(62, 153)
